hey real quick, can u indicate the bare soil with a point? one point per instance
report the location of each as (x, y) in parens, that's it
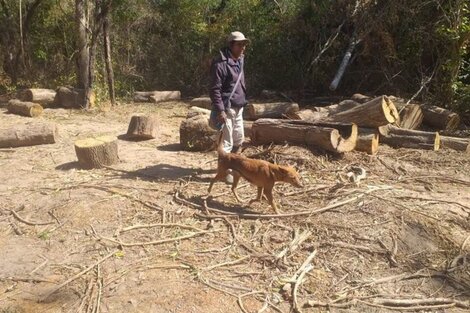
(402, 233)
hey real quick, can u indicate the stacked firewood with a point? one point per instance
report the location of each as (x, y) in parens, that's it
(359, 123)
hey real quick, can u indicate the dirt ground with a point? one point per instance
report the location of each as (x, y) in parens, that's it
(138, 236)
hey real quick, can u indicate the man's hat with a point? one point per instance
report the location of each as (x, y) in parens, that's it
(237, 36)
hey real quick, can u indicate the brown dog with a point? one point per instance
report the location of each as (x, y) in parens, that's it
(258, 172)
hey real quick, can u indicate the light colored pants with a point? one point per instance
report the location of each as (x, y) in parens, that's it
(233, 132)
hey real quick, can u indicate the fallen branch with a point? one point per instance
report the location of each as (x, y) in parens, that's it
(156, 242)
(159, 225)
(71, 279)
(19, 218)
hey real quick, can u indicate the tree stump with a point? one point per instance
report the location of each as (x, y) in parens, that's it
(97, 152)
(24, 108)
(156, 96)
(202, 102)
(69, 97)
(196, 134)
(374, 113)
(142, 127)
(255, 111)
(407, 138)
(327, 136)
(44, 97)
(455, 143)
(28, 135)
(440, 118)
(367, 140)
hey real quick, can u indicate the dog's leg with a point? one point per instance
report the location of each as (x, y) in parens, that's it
(259, 197)
(236, 179)
(269, 194)
(220, 176)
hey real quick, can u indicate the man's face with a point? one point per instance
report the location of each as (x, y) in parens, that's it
(237, 48)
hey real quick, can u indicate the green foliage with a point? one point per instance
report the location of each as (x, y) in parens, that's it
(296, 44)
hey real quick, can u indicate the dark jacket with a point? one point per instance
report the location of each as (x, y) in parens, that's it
(224, 75)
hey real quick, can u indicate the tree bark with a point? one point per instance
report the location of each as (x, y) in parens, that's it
(455, 143)
(97, 152)
(407, 138)
(254, 111)
(28, 135)
(107, 57)
(411, 115)
(323, 135)
(377, 112)
(82, 45)
(202, 102)
(367, 140)
(44, 97)
(24, 108)
(156, 96)
(440, 118)
(142, 127)
(196, 134)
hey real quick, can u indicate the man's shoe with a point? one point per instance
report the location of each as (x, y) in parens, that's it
(229, 179)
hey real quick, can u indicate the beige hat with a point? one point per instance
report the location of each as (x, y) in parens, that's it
(237, 36)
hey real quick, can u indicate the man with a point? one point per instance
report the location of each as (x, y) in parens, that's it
(228, 91)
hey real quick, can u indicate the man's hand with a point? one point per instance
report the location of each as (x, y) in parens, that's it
(222, 117)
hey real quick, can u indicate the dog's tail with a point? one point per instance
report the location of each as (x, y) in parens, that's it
(220, 144)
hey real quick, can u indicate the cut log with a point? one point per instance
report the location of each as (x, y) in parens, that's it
(407, 138)
(28, 135)
(247, 127)
(367, 140)
(202, 102)
(377, 112)
(97, 152)
(411, 115)
(307, 115)
(142, 127)
(440, 118)
(30, 109)
(196, 134)
(156, 96)
(44, 97)
(255, 111)
(360, 98)
(193, 111)
(455, 143)
(322, 135)
(69, 97)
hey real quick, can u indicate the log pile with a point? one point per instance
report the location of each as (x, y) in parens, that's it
(359, 123)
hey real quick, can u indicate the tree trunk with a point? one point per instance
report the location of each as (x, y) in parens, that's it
(367, 140)
(322, 135)
(202, 102)
(72, 98)
(82, 45)
(455, 143)
(411, 115)
(24, 108)
(377, 112)
(255, 111)
(44, 97)
(97, 152)
(196, 134)
(407, 138)
(142, 127)
(156, 96)
(28, 135)
(340, 107)
(107, 57)
(440, 118)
